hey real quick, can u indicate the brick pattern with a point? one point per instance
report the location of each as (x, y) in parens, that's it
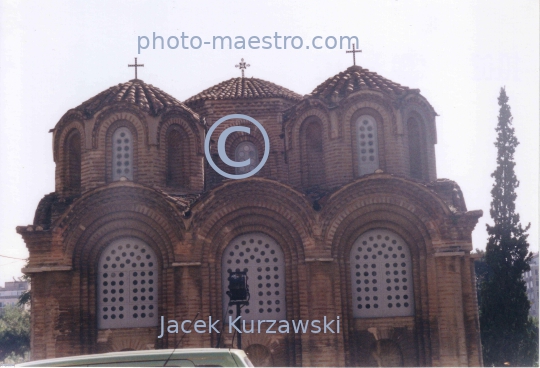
(309, 197)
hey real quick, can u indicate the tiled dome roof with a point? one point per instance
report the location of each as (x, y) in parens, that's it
(354, 79)
(146, 97)
(244, 88)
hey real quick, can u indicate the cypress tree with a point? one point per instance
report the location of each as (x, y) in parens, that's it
(508, 336)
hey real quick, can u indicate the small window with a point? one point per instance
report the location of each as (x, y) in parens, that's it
(367, 144)
(246, 150)
(122, 156)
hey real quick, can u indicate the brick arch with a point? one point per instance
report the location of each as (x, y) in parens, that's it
(75, 126)
(71, 119)
(420, 246)
(368, 100)
(417, 105)
(246, 220)
(119, 113)
(249, 220)
(85, 272)
(60, 139)
(193, 131)
(293, 127)
(415, 218)
(420, 202)
(113, 226)
(382, 215)
(87, 215)
(284, 202)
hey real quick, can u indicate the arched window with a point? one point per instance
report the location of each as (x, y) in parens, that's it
(381, 275)
(122, 156)
(73, 161)
(263, 259)
(127, 285)
(177, 174)
(244, 151)
(367, 144)
(313, 153)
(416, 149)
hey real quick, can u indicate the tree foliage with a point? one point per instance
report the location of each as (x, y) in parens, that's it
(508, 335)
(14, 332)
(26, 297)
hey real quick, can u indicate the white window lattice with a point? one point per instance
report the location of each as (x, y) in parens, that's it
(127, 285)
(263, 259)
(368, 150)
(122, 155)
(381, 276)
(244, 151)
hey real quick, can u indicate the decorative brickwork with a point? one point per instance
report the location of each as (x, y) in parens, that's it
(314, 203)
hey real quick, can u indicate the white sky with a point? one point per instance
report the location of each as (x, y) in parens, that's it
(56, 54)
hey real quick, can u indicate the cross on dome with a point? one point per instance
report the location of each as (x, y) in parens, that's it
(135, 65)
(353, 52)
(243, 66)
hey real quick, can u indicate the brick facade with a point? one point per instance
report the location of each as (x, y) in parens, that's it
(311, 197)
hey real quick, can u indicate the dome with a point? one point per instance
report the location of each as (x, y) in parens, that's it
(146, 97)
(356, 78)
(244, 88)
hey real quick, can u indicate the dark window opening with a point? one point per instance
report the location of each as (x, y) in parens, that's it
(74, 162)
(313, 148)
(416, 150)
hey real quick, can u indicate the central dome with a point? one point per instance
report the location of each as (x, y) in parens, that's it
(244, 88)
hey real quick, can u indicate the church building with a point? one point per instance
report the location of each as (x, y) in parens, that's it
(346, 219)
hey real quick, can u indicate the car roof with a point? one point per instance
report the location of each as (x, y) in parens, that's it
(135, 355)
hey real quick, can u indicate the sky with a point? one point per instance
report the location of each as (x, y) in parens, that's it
(56, 54)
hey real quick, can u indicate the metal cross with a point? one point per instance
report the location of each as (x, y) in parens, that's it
(353, 52)
(242, 65)
(135, 65)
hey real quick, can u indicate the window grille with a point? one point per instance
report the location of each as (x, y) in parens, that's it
(368, 150)
(127, 285)
(263, 259)
(122, 157)
(381, 276)
(244, 151)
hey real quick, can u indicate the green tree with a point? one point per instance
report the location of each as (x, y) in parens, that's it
(26, 297)
(14, 332)
(508, 335)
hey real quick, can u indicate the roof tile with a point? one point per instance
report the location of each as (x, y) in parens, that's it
(353, 79)
(146, 97)
(244, 88)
